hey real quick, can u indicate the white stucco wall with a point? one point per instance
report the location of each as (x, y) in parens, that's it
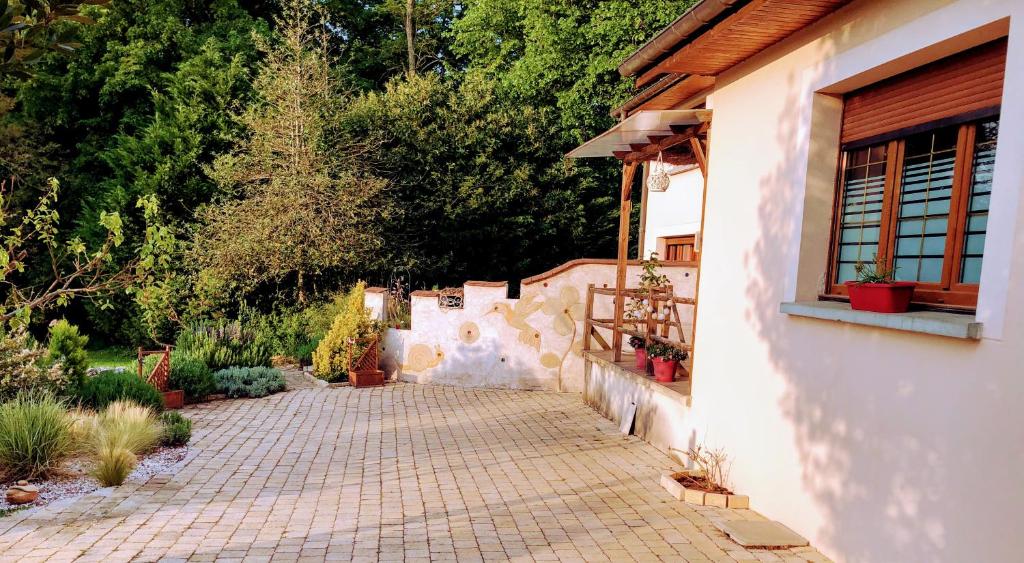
(675, 211)
(877, 445)
(498, 342)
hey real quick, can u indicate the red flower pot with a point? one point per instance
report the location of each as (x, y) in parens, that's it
(641, 359)
(881, 297)
(664, 370)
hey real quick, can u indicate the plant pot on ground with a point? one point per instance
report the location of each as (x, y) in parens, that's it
(876, 290)
(640, 352)
(666, 361)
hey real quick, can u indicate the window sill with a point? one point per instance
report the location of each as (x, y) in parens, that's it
(935, 323)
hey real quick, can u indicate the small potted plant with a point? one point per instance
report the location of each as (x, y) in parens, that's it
(639, 349)
(666, 360)
(877, 290)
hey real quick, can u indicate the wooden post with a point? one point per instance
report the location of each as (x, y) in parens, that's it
(588, 326)
(625, 206)
(702, 159)
(140, 361)
(643, 213)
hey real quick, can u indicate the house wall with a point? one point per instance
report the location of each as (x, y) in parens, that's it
(675, 211)
(877, 445)
(525, 343)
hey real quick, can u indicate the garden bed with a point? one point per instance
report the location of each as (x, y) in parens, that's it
(692, 487)
(73, 479)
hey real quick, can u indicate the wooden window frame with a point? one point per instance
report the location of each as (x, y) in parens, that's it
(949, 293)
(664, 244)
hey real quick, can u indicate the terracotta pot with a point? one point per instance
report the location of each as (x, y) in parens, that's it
(881, 297)
(641, 359)
(664, 370)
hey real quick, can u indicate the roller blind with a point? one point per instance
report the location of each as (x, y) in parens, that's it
(961, 85)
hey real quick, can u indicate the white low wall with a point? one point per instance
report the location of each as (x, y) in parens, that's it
(534, 342)
(611, 390)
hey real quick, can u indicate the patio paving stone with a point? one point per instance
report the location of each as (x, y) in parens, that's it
(400, 473)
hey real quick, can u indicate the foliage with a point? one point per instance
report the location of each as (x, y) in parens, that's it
(330, 360)
(35, 435)
(22, 367)
(177, 430)
(120, 432)
(249, 382)
(637, 343)
(140, 110)
(127, 425)
(191, 375)
(221, 344)
(67, 347)
(472, 177)
(876, 272)
(113, 465)
(108, 387)
(305, 204)
(651, 278)
(665, 352)
(28, 28)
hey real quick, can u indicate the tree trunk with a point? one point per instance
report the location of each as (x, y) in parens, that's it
(410, 34)
(302, 289)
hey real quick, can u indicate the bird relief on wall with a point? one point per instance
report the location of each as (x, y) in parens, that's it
(515, 316)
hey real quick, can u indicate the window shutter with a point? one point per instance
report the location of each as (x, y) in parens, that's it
(962, 84)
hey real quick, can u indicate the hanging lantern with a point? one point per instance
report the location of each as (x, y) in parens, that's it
(658, 179)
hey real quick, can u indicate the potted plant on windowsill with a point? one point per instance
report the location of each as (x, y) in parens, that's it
(666, 360)
(877, 290)
(640, 350)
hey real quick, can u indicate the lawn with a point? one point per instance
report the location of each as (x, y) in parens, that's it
(111, 358)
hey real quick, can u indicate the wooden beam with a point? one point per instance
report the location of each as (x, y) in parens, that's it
(650, 151)
(698, 153)
(625, 206)
(643, 213)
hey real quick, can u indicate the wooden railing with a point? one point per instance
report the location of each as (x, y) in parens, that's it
(162, 372)
(649, 327)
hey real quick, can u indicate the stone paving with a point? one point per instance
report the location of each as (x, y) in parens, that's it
(401, 473)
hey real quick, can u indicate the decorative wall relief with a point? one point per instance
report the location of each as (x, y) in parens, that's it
(422, 358)
(516, 316)
(469, 332)
(565, 310)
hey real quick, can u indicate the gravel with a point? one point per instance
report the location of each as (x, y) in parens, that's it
(74, 480)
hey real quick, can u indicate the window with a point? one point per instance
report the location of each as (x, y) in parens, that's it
(920, 204)
(681, 248)
(918, 151)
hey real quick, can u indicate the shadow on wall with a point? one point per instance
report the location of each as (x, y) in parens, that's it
(882, 449)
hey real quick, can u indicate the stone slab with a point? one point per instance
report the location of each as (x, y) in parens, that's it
(936, 323)
(751, 533)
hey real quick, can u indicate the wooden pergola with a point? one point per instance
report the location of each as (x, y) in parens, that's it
(677, 137)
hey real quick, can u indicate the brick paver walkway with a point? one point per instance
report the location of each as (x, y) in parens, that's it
(406, 472)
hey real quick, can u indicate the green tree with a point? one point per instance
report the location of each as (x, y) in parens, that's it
(305, 205)
(67, 347)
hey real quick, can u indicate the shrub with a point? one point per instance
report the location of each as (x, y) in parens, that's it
(67, 347)
(35, 435)
(246, 342)
(149, 364)
(177, 430)
(330, 360)
(191, 375)
(113, 465)
(109, 386)
(22, 369)
(249, 382)
(126, 425)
